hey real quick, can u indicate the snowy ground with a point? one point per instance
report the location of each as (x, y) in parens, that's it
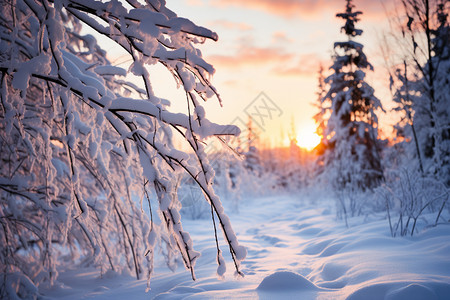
(296, 250)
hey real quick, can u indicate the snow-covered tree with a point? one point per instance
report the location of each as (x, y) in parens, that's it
(441, 50)
(418, 161)
(424, 90)
(252, 159)
(405, 129)
(351, 157)
(323, 107)
(78, 142)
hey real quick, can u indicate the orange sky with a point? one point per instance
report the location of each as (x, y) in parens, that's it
(275, 47)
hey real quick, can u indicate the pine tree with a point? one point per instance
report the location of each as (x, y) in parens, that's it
(351, 156)
(321, 116)
(322, 107)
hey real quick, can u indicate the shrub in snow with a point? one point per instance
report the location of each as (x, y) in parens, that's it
(78, 141)
(408, 196)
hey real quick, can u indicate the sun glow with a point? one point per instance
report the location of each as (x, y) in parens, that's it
(307, 138)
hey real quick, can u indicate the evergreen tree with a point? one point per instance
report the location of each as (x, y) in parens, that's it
(351, 156)
(322, 106)
(320, 118)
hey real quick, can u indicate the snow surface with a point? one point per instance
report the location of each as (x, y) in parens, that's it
(296, 250)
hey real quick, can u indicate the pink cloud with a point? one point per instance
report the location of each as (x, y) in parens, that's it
(281, 38)
(306, 65)
(230, 25)
(251, 56)
(286, 8)
(282, 63)
(195, 2)
(303, 8)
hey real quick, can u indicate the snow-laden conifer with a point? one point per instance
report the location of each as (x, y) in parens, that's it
(351, 157)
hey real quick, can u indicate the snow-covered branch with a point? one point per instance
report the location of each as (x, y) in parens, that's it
(75, 140)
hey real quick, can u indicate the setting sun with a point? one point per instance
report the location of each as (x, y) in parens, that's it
(307, 138)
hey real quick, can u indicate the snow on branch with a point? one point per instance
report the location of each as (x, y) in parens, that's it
(78, 147)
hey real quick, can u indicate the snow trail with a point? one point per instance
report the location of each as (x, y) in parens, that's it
(295, 249)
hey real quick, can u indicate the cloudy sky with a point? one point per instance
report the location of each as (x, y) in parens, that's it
(276, 47)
